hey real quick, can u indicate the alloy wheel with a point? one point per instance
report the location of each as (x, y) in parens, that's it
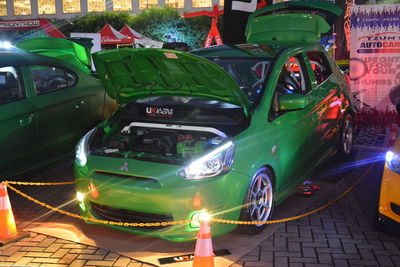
(261, 198)
(347, 137)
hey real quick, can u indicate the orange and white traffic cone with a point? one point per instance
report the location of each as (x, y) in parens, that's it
(8, 229)
(204, 254)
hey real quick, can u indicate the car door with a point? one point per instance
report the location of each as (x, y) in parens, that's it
(61, 108)
(17, 122)
(294, 127)
(327, 100)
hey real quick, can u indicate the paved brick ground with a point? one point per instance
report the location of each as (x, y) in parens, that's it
(342, 235)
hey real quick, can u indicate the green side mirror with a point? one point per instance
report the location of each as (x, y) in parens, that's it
(292, 102)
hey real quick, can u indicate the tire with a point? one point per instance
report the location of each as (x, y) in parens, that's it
(259, 202)
(346, 136)
(379, 222)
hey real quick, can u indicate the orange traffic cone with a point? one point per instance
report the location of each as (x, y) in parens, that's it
(8, 229)
(204, 254)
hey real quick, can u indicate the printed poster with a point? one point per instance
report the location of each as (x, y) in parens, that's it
(375, 56)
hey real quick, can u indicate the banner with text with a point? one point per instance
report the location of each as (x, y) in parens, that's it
(375, 56)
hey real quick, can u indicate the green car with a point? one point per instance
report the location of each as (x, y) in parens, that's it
(46, 105)
(231, 130)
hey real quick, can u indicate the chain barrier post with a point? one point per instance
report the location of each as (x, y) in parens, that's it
(210, 219)
(8, 229)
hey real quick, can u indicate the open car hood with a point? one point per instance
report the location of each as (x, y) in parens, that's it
(60, 48)
(129, 74)
(291, 22)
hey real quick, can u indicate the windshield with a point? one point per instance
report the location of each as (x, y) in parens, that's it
(249, 73)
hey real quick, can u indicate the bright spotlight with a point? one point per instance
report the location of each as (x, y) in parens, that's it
(389, 156)
(7, 45)
(80, 196)
(204, 216)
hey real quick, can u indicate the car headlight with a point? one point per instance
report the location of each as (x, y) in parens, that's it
(81, 150)
(393, 161)
(216, 162)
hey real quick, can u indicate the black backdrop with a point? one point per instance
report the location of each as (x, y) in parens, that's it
(235, 22)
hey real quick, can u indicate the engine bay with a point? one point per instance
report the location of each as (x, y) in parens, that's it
(160, 141)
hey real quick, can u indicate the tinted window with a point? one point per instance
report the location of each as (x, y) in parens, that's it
(48, 79)
(293, 77)
(250, 74)
(10, 85)
(320, 65)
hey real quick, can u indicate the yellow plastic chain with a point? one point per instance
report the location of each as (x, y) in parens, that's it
(7, 183)
(37, 183)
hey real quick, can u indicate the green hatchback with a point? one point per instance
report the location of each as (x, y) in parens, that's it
(231, 130)
(46, 105)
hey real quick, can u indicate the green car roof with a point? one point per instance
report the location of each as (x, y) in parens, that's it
(22, 57)
(242, 50)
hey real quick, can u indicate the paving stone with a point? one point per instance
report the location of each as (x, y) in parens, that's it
(24, 261)
(309, 252)
(317, 265)
(111, 256)
(324, 258)
(16, 256)
(99, 263)
(69, 258)
(46, 242)
(259, 264)
(281, 261)
(90, 257)
(363, 263)
(302, 259)
(32, 249)
(73, 245)
(122, 262)
(385, 260)
(77, 263)
(45, 260)
(9, 250)
(53, 248)
(60, 253)
(294, 246)
(315, 244)
(367, 254)
(82, 251)
(39, 238)
(341, 263)
(266, 256)
(39, 254)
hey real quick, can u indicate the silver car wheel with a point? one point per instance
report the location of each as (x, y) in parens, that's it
(261, 198)
(347, 135)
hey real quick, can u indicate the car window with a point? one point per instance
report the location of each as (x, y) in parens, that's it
(249, 73)
(320, 66)
(48, 78)
(11, 88)
(293, 79)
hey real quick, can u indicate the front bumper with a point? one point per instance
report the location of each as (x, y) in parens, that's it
(389, 200)
(155, 193)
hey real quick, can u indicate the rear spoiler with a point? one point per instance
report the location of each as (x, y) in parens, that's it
(60, 48)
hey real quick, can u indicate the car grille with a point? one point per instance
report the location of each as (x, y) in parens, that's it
(121, 215)
(395, 208)
(142, 181)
